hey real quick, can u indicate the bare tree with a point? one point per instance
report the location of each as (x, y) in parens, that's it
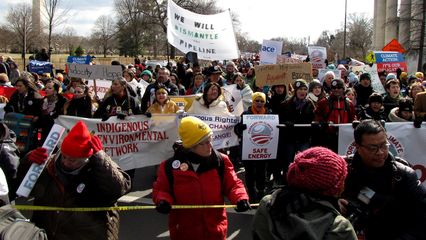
(360, 34)
(55, 15)
(19, 19)
(104, 31)
(5, 38)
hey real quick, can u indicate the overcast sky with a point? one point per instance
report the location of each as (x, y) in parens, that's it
(261, 19)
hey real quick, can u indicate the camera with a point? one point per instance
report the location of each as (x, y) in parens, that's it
(358, 210)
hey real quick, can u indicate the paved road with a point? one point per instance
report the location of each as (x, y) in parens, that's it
(148, 224)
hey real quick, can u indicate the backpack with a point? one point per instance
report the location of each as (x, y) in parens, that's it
(169, 168)
(13, 226)
(346, 108)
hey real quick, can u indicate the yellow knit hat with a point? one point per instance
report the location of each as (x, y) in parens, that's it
(193, 131)
(419, 75)
(258, 95)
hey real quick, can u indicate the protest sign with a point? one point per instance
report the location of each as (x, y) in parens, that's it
(210, 36)
(392, 67)
(260, 139)
(35, 170)
(136, 142)
(79, 60)
(286, 59)
(109, 72)
(375, 80)
(7, 91)
(233, 99)
(395, 46)
(183, 102)
(102, 87)
(269, 51)
(40, 67)
(317, 55)
(282, 74)
(405, 140)
(222, 127)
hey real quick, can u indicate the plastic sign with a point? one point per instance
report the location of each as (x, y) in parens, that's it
(35, 170)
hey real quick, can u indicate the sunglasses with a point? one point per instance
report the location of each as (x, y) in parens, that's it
(259, 101)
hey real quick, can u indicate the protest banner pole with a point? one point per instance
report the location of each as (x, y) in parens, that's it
(94, 87)
(35, 170)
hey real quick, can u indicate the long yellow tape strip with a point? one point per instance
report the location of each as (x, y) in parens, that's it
(118, 208)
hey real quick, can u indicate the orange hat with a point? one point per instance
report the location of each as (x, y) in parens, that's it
(77, 143)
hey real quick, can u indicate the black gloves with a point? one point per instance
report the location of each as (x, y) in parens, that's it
(355, 124)
(243, 205)
(289, 124)
(239, 128)
(163, 207)
(105, 117)
(121, 116)
(148, 114)
(418, 122)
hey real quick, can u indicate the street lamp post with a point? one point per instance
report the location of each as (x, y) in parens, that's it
(344, 31)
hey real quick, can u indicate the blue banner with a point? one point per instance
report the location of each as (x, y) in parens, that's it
(40, 67)
(79, 60)
(384, 57)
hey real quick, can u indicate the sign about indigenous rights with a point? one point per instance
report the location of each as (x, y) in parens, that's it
(137, 141)
(85, 71)
(260, 139)
(223, 129)
(405, 141)
(210, 36)
(284, 74)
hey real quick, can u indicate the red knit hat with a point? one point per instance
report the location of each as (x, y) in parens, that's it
(77, 143)
(318, 170)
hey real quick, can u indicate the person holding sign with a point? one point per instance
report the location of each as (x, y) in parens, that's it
(255, 169)
(197, 175)
(80, 174)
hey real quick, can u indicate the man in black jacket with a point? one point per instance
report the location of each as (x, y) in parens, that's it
(391, 198)
(163, 78)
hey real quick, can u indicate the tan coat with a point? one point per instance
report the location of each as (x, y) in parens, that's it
(169, 107)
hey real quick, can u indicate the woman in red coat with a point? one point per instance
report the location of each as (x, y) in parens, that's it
(197, 175)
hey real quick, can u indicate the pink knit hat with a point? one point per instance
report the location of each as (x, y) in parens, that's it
(318, 170)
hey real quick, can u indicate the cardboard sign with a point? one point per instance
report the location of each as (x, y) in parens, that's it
(110, 72)
(35, 170)
(282, 74)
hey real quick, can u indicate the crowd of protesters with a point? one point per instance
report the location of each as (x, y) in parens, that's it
(144, 90)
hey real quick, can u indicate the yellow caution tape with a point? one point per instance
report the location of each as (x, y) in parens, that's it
(117, 208)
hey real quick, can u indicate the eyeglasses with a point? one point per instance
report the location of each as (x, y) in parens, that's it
(259, 101)
(375, 148)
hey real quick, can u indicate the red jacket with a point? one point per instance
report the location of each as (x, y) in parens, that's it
(204, 187)
(340, 111)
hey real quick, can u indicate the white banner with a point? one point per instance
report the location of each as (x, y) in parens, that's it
(233, 97)
(406, 142)
(136, 142)
(102, 87)
(375, 80)
(260, 139)
(317, 55)
(210, 36)
(269, 51)
(35, 170)
(223, 129)
(110, 72)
